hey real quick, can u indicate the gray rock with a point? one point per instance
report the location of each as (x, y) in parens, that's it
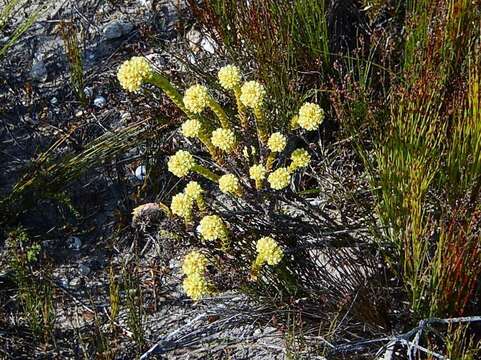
(74, 242)
(116, 29)
(84, 269)
(140, 172)
(89, 91)
(100, 101)
(38, 71)
(75, 283)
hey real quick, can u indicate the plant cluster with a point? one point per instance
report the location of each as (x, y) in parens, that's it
(246, 148)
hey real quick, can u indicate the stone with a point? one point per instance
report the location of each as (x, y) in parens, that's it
(100, 101)
(117, 29)
(74, 243)
(140, 172)
(39, 71)
(75, 283)
(84, 269)
(89, 91)
(194, 37)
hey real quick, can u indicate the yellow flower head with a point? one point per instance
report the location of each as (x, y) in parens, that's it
(252, 94)
(181, 205)
(269, 251)
(310, 116)
(132, 73)
(229, 184)
(279, 179)
(300, 158)
(257, 172)
(196, 286)
(196, 98)
(181, 163)
(277, 142)
(194, 263)
(212, 227)
(191, 128)
(193, 190)
(224, 139)
(229, 77)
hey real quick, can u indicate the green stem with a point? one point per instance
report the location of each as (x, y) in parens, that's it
(261, 125)
(219, 112)
(162, 83)
(199, 169)
(241, 109)
(270, 160)
(204, 137)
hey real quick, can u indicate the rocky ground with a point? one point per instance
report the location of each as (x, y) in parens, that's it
(37, 108)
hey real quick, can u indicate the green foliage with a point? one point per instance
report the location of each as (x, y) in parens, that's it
(35, 293)
(285, 41)
(425, 167)
(69, 31)
(7, 14)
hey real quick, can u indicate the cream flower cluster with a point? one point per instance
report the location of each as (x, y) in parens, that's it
(212, 227)
(181, 163)
(196, 286)
(196, 98)
(268, 251)
(191, 128)
(224, 139)
(181, 205)
(300, 158)
(194, 263)
(229, 184)
(132, 73)
(310, 116)
(257, 172)
(252, 94)
(229, 77)
(193, 190)
(279, 179)
(277, 142)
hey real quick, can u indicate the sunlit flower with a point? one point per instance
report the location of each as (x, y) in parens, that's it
(224, 139)
(277, 142)
(181, 163)
(132, 73)
(196, 286)
(310, 116)
(269, 251)
(196, 98)
(229, 77)
(212, 227)
(191, 128)
(229, 184)
(194, 263)
(300, 158)
(257, 172)
(279, 179)
(193, 190)
(181, 205)
(252, 94)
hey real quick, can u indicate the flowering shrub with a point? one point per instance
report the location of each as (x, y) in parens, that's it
(251, 225)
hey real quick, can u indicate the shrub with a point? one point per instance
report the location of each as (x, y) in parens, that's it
(244, 214)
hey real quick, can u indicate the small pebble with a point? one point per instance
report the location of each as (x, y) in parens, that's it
(140, 172)
(74, 243)
(100, 102)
